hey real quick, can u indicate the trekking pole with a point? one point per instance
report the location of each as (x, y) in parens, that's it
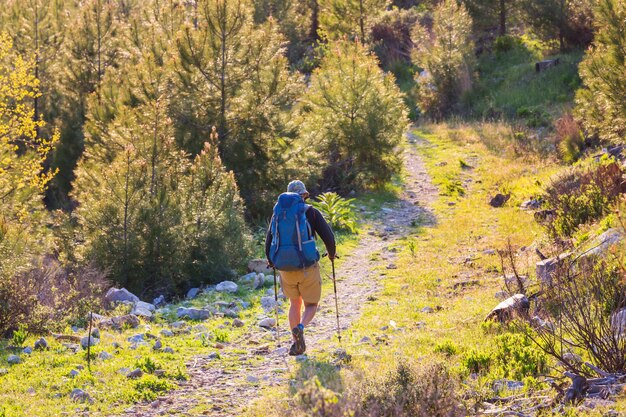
(276, 308)
(332, 262)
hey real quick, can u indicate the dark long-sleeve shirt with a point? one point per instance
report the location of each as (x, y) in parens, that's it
(319, 227)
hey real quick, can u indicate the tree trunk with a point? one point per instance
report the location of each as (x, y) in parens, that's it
(361, 20)
(502, 29)
(313, 35)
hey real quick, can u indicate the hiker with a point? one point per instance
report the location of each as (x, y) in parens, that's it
(290, 248)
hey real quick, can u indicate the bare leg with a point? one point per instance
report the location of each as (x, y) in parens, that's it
(309, 313)
(294, 312)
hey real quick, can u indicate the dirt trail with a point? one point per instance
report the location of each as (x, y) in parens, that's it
(225, 392)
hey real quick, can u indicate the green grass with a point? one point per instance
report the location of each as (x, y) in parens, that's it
(508, 86)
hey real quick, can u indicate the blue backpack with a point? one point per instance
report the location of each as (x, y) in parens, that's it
(293, 244)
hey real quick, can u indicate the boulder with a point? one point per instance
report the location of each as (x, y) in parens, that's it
(120, 295)
(601, 244)
(618, 322)
(137, 373)
(231, 313)
(268, 303)
(193, 313)
(167, 333)
(259, 266)
(143, 309)
(160, 300)
(27, 350)
(105, 356)
(267, 322)
(193, 293)
(88, 340)
(74, 373)
(158, 345)
(532, 204)
(120, 322)
(504, 311)
(226, 286)
(499, 200)
(238, 323)
(168, 350)
(253, 280)
(13, 359)
(138, 338)
(78, 395)
(546, 268)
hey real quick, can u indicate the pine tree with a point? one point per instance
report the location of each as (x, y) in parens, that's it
(211, 68)
(258, 149)
(354, 117)
(349, 17)
(600, 104)
(489, 14)
(445, 52)
(92, 46)
(216, 235)
(568, 21)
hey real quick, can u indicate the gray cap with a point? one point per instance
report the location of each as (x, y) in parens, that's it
(298, 187)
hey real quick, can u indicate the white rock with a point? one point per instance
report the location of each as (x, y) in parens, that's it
(226, 286)
(268, 303)
(41, 344)
(193, 313)
(160, 300)
(79, 395)
(193, 293)
(13, 359)
(88, 340)
(268, 322)
(120, 295)
(105, 356)
(167, 333)
(259, 266)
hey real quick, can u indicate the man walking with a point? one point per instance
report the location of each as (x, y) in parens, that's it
(290, 248)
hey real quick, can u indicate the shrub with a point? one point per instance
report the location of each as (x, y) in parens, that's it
(356, 148)
(582, 194)
(570, 139)
(19, 336)
(513, 355)
(447, 347)
(426, 390)
(600, 103)
(48, 296)
(338, 211)
(584, 301)
(505, 44)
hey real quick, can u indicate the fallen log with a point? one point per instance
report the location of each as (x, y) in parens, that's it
(548, 63)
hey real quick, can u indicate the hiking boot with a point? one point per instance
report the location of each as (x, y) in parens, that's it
(293, 351)
(298, 334)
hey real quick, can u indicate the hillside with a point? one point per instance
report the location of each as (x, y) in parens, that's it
(180, 181)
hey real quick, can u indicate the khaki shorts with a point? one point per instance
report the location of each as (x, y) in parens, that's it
(305, 283)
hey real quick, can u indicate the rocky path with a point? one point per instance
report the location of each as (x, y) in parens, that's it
(214, 389)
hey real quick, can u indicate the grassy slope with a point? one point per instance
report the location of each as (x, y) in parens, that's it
(509, 87)
(433, 260)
